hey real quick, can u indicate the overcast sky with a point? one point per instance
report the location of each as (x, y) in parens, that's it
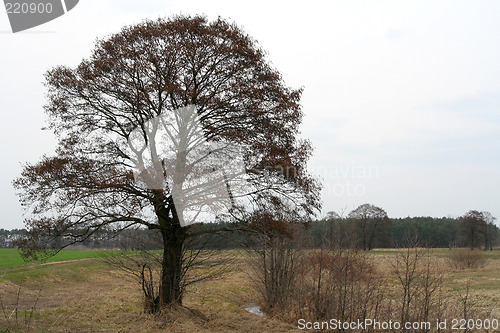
(401, 98)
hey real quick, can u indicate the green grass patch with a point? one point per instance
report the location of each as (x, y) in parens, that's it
(75, 270)
(67, 264)
(10, 258)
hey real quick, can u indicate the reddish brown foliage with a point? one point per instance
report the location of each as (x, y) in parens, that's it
(151, 70)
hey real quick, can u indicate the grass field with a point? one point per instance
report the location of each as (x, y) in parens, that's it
(89, 296)
(11, 258)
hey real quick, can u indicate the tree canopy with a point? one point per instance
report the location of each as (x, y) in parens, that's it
(371, 222)
(154, 110)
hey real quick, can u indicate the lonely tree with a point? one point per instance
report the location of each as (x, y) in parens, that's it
(372, 222)
(168, 123)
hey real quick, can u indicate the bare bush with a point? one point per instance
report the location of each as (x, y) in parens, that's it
(467, 302)
(420, 283)
(197, 264)
(275, 250)
(467, 259)
(18, 317)
(295, 282)
(339, 284)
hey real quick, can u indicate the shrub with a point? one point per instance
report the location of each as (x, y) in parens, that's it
(467, 259)
(337, 284)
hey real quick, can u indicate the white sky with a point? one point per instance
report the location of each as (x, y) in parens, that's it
(402, 98)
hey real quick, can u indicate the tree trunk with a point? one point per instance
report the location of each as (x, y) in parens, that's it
(364, 237)
(171, 283)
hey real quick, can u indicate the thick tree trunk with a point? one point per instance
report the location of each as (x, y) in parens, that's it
(171, 282)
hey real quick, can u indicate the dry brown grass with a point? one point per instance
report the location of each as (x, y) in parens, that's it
(88, 296)
(467, 259)
(106, 300)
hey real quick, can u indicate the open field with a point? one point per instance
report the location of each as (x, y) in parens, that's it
(89, 296)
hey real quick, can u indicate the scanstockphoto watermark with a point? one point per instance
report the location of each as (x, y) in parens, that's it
(346, 180)
(362, 325)
(345, 188)
(382, 325)
(351, 171)
(27, 14)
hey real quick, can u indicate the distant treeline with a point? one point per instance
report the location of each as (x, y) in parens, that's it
(364, 233)
(9, 237)
(432, 232)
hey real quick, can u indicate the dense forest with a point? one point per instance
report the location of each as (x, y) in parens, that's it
(441, 232)
(366, 227)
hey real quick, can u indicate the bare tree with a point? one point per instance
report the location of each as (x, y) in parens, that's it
(371, 222)
(491, 230)
(420, 282)
(146, 127)
(275, 249)
(472, 227)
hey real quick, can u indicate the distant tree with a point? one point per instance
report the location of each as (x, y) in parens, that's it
(202, 93)
(3, 237)
(332, 216)
(371, 222)
(472, 227)
(336, 232)
(330, 229)
(490, 234)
